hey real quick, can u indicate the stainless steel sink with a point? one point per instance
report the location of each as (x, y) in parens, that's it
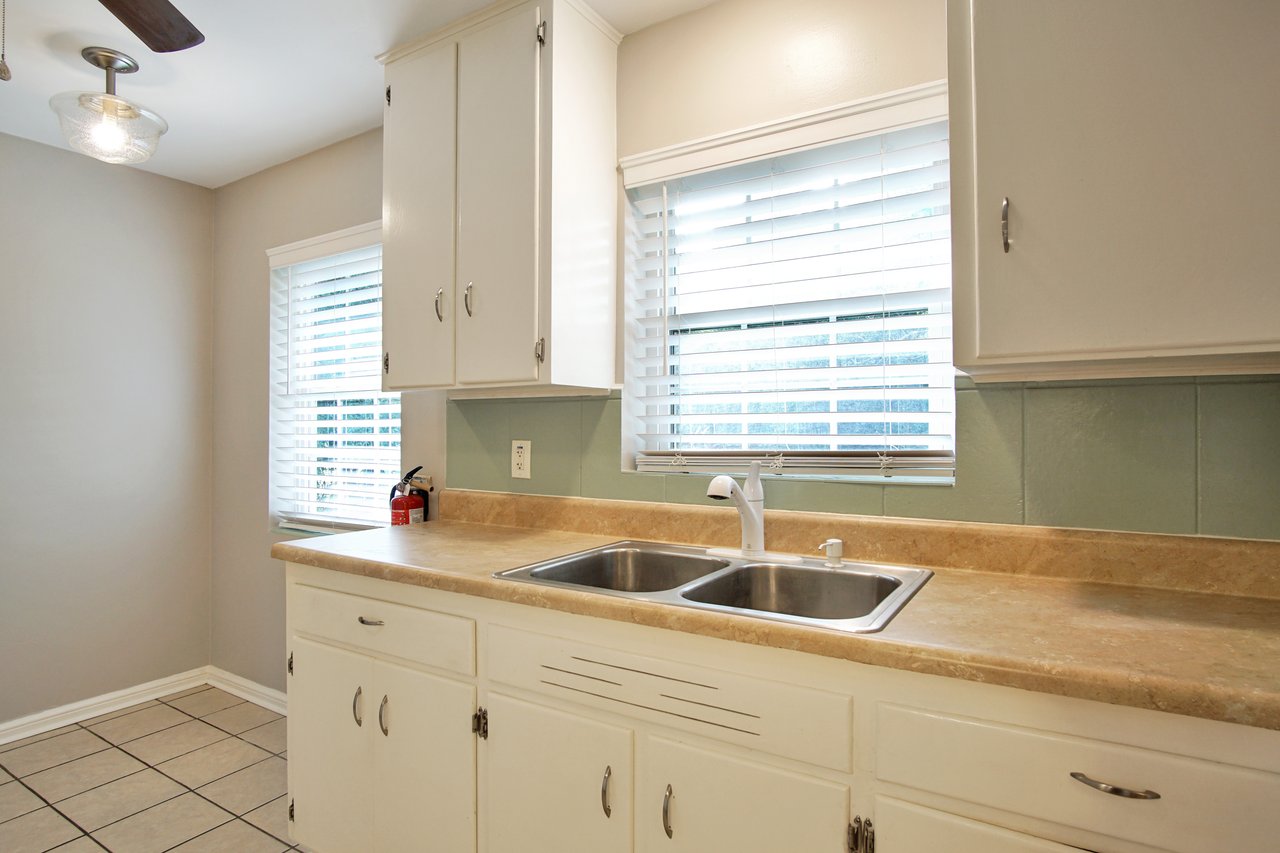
(812, 593)
(626, 567)
(857, 597)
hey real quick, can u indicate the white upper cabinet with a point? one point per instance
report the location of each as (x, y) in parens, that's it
(500, 203)
(418, 218)
(1137, 147)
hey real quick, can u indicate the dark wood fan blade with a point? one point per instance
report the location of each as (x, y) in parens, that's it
(160, 26)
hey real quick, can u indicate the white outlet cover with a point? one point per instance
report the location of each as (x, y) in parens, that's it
(521, 458)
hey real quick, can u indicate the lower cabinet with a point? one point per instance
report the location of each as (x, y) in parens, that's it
(693, 800)
(440, 723)
(555, 781)
(380, 756)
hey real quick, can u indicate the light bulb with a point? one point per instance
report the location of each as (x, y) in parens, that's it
(109, 136)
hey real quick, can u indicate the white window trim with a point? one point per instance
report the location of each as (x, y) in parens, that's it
(301, 251)
(911, 106)
(880, 114)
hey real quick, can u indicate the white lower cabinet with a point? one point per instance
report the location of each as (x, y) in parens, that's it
(603, 737)
(694, 800)
(903, 827)
(555, 781)
(381, 756)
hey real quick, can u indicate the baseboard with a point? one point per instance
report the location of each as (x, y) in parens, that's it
(54, 718)
(267, 697)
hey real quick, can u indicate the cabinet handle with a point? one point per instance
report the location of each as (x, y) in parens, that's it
(666, 811)
(1115, 789)
(604, 791)
(1004, 224)
(371, 622)
(382, 720)
(439, 313)
(466, 298)
(355, 710)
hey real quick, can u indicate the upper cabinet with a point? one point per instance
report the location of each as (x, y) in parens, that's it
(500, 204)
(1114, 188)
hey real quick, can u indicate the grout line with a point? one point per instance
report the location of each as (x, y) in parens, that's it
(50, 805)
(51, 766)
(194, 837)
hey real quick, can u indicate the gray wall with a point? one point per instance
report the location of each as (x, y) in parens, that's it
(330, 189)
(104, 427)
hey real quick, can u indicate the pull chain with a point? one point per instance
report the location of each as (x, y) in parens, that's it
(4, 66)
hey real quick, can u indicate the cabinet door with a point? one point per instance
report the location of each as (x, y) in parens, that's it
(1139, 163)
(721, 803)
(498, 151)
(546, 784)
(424, 762)
(418, 219)
(330, 757)
(907, 828)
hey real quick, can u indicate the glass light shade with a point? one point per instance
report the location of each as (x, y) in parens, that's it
(108, 127)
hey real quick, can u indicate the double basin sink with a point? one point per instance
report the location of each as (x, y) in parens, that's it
(856, 597)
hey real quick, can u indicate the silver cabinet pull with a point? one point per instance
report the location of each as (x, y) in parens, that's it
(372, 622)
(604, 792)
(466, 297)
(355, 707)
(1115, 789)
(666, 811)
(439, 313)
(1004, 224)
(382, 718)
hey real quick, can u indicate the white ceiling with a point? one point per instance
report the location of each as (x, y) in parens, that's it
(274, 78)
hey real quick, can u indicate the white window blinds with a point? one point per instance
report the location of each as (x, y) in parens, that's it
(797, 310)
(335, 443)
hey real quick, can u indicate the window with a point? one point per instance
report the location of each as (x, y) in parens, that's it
(796, 309)
(335, 434)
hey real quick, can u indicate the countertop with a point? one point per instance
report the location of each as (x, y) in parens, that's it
(1199, 654)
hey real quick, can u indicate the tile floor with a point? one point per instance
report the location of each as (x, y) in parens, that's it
(200, 771)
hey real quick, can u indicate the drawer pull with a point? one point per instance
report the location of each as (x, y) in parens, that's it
(604, 791)
(355, 707)
(1004, 224)
(382, 717)
(1115, 790)
(666, 811)
(372, 622)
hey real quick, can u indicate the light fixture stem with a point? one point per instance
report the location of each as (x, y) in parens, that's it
(111, 80)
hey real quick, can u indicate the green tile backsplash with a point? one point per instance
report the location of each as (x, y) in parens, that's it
(1167, 456)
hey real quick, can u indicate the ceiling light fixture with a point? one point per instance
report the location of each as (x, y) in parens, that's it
(104, 125)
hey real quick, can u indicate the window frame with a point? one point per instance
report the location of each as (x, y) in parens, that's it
(340, 242)
(914, 106)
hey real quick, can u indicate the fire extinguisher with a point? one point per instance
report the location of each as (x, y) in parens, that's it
(407, 507)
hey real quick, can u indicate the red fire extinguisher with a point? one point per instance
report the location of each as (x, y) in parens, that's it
(407, 507)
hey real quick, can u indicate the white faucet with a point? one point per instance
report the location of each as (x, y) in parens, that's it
(750, 504)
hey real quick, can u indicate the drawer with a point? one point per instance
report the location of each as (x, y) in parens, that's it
(424, 636)
(783, 719)
(1202, 805)
(908, 828)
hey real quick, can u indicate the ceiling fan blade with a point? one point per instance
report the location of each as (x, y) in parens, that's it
(160, 26)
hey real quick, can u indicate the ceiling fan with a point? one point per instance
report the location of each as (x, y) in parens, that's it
(157, 23)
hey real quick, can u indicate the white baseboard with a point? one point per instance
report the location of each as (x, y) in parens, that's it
(43, 721)
(267, 697)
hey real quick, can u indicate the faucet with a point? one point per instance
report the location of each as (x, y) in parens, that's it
(750, 504)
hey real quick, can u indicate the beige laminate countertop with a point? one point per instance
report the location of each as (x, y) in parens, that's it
(1198, 654)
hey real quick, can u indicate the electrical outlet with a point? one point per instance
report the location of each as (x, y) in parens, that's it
(521, 458)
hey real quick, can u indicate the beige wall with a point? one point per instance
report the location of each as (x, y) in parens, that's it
(742, 62)
(105, 418)
(324, 191)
